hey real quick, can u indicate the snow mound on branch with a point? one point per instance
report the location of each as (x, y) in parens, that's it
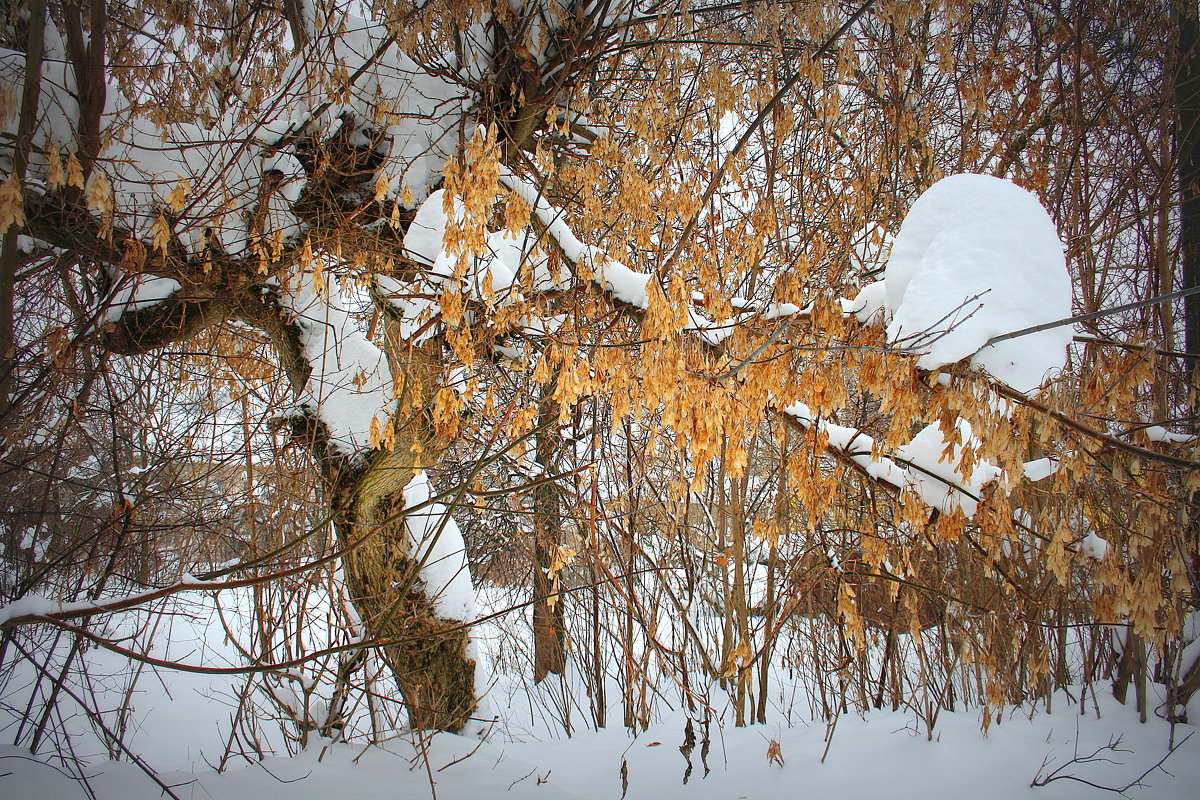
(978, 257)
(627, 285)
(930, 465)
(868, 306)
(506, 256)
(938, 469)
(350, 387)
(139, 292)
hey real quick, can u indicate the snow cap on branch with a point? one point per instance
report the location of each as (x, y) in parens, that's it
(975, 258)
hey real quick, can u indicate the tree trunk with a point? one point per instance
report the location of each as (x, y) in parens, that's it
(9, 252)
(1187, 160)
(427, 653)
(549, 653)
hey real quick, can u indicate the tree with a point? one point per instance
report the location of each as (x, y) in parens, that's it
(396, 200)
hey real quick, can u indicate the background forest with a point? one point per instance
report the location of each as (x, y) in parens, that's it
(526, 368)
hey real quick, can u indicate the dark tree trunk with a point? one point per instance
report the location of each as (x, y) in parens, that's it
(9, 254)
(549, 640)
(1187, 162)
(1187, 159)
(427, 653)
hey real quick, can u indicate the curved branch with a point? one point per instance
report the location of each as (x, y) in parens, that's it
(284, 336)
(175, 319)
(1104, 438)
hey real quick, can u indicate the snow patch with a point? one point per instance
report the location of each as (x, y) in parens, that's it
(350, 386)
(1040, 468)
(1159, 434)
(142, 292)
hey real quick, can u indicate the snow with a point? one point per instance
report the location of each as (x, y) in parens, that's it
(488, 276)
(350, 387)
(212, 173)
(1157, 433)
(180, 723)
(423, 239)
(781, 310)
(417, 306)
(869, 306)
(627, 285)
(139, 292)
(881, 755)
(978, 257)
(34, 604)
(435, 540)
(854, 443)
(711, 333)
(1040, 469)
(943, 479)
(929, 465)
(30, 604)
(1094, 546)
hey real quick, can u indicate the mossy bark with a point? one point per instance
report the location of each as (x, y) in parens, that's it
(427, 653)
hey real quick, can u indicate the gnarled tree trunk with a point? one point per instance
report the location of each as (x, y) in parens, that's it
(427, 653)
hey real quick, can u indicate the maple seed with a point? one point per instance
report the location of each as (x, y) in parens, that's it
(12, 210)
(774, 754)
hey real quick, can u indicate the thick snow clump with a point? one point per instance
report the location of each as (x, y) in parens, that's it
(975, 258)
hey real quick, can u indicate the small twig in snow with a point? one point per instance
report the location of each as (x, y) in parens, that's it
(1113, 745)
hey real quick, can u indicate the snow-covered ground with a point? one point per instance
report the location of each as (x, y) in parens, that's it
(881, 755)
(179, 726)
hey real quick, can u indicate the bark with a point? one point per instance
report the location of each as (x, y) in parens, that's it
(88, 63)
(1130, 665)
(293, 12)
(9, 253)
(549, 636)
(1180, 693)
(427, 654)
(1187, 164)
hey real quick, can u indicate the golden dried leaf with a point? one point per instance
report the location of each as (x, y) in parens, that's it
(57, 178)
(134, 259)
(178, 196)
(160, 233)
(74, 172)
(99, 199)
(12, 204)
